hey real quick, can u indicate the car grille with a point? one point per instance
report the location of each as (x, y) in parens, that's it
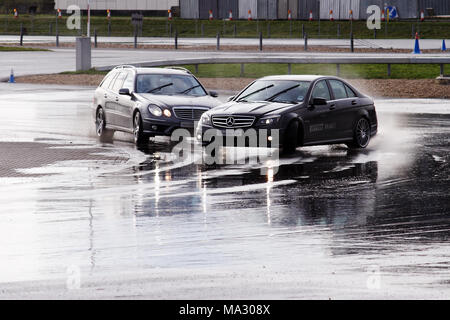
(233, 121)
(189, 113)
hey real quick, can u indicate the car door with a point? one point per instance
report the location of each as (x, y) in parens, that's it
(109, 97)
(316, 116)
(119, 112)
(340, 116)
(126, 103)
(353, 103)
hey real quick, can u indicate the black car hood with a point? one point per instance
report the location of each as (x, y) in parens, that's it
(178, 100)
(252, 108)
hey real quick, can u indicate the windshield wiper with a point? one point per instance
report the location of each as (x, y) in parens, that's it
(281, 92)
(160, 87)
(252, 93)
(189, 89)
(285, 101)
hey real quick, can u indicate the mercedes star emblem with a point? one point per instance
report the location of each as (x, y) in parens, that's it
(230, 121)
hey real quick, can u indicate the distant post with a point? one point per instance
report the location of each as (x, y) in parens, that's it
(218, 41)
(21, 34)
(306, 41)
(318, 8)
(260, 41)
(176, 39)
(352, 43)
(83, 53)
(89, 18)
(108, 16)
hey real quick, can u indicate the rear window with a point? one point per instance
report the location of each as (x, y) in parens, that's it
(350, 92)
(107, 80)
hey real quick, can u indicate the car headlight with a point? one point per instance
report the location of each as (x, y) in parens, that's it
(167, 113)
(269, 120)
(155, 110)
(205, 119)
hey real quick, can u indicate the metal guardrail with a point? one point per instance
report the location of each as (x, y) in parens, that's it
(294, 60)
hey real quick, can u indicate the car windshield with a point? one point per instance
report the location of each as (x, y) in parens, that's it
(284, 91)
(169, 84)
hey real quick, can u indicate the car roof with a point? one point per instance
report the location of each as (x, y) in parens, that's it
(161, 71)
(154, 70)
(294, 77)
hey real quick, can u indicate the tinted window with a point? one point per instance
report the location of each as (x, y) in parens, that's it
(286, 91)
(321, 90)
(119, 82)
(338, 89)
(169, 84)
(129, 82)
(107, 80)
(350, 92)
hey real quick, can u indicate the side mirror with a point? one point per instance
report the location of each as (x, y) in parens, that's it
(230, 98)
(213, 94)
(319, 101)
(125, 92)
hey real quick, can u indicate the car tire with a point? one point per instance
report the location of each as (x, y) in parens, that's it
(100, 126)
(138, 130)
(361, 134)
(290, 140)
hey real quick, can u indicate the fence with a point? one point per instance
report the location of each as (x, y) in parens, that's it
(289, 61)
(160, 27)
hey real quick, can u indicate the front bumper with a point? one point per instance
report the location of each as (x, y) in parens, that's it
(270, 136)
(166, 126)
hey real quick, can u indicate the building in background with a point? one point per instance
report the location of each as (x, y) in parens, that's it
(27, 6)
(301, 9)
(120, 5)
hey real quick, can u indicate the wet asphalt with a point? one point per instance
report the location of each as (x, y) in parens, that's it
(87, 219)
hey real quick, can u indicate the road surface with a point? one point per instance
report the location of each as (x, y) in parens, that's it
(84, 219)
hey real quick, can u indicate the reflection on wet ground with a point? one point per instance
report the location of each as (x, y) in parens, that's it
(318, 226)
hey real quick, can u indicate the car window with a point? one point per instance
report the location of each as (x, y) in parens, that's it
(119, 82)
(285, 91)
(113, 78)
(338, 89)
(169, 84)
(350, 92)
(107, 80)
(321, 90)
(129, 82)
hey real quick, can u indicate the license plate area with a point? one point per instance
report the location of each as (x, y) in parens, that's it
(187, 124)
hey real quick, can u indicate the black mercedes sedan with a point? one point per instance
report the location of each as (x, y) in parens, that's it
(149, 102)
(306, 110)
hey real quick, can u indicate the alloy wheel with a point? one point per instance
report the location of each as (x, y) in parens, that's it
(100, 122)
(362, 133)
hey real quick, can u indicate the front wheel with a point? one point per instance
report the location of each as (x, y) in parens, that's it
(361, 134)
(138, 131)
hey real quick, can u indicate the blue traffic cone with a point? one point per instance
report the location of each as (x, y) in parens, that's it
(444, 47)
(11, 77)
(417, 47)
